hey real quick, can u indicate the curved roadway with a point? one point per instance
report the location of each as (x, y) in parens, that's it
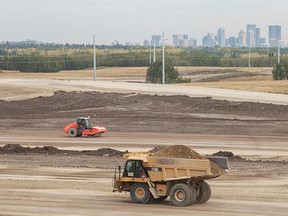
(36, 87)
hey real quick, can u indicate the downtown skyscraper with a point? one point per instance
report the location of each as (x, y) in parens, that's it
(221, 40)
(251, 35)
(242, 39)
(274, 35)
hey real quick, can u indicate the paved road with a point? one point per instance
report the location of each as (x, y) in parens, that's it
(44, 87)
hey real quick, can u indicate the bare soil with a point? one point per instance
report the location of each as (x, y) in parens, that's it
(16, 149)
(52, 174)
(146, 113)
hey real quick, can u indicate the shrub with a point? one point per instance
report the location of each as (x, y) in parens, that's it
(280, 72)
(154, 73)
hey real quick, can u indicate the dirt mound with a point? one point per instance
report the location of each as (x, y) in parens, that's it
(228, 154)
(180, 151)
(18, 149)
(51, 150)
(157, 149)
(105, 152)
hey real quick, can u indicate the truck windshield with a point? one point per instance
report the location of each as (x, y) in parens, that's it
(134, 169)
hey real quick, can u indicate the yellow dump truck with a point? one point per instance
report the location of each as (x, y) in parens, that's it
(149, 178)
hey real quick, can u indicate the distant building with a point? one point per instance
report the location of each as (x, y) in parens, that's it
(250, 38)
(231, 41)
(30, 42)
(146, 43)
(208, 40)
(274, 35)
(115, 43)
(192, 42)
(156, 40)
(129, 44)
(180, 40)
(251, 35)
(257, 38)
(221, 40)
(242, 39)
(263, 42)
(184, 43)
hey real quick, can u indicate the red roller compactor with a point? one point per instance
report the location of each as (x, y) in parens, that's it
(83, 127)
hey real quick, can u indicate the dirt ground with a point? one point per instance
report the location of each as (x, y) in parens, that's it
(46, 182)
(147, 113)
(81, 185)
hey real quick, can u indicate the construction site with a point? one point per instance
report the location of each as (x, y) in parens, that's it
(44, 171)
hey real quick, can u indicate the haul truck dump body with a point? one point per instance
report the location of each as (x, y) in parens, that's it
(148, 177)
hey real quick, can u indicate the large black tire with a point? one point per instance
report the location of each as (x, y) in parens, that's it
(72, 132)
(183, 195)
(140, 193)
(204, 192)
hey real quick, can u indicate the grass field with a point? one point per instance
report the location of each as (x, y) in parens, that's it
(261, 84)
(111, 72)
(260, 81)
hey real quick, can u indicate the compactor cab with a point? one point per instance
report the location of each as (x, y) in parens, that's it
(83, 123)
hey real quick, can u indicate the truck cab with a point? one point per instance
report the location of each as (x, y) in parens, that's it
(134, 168)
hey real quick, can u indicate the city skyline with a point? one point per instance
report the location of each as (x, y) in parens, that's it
(76, 21)
(251, 37)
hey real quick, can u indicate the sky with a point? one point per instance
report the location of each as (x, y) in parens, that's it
(76, 21)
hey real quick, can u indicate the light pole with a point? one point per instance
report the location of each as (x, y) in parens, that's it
(163, 59)
(278, 51)
(249, 64)
(94, 57)
(154, 56)
(150, 52)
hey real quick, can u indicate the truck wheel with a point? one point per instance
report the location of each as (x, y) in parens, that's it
(72, 132)
(183, 195)
(204, 192)
(140, 193)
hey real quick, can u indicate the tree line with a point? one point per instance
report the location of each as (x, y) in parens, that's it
(220, 57)
(44, 64)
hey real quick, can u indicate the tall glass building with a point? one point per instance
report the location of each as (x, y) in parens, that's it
(221, 40)
(274, 35)
(251, 37)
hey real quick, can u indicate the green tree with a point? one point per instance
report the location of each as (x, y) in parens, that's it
(275, 72)
(285, 71)
(154, 73)
(278, 72)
